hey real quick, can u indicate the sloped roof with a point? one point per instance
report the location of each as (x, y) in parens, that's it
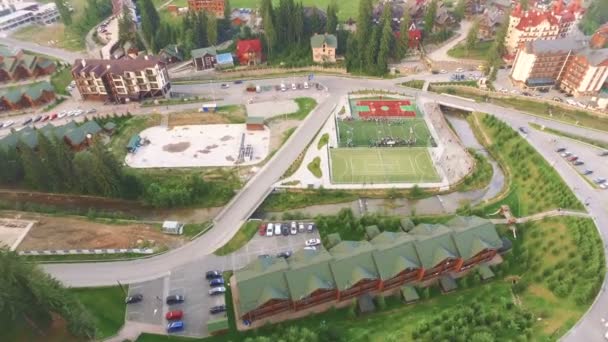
(352, 262)
(76, 136)
(473, 234)
(224, 58)
(197, 53)
(248, 45)
(100, 67)
(260, 281)
(173, 50)
(433, 244)
(317, 40)
(255, 120)
(308, 272)
(90, 127)
(395, 252)
(109, 126)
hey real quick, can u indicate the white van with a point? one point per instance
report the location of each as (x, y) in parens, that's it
(269, 229)
(305, 85)
(283, 88)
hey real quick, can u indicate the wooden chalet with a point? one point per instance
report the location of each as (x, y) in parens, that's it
(27, 96)
(436, 250)
(353, 269)
(476, 240)
(396, 259)
(309, 279)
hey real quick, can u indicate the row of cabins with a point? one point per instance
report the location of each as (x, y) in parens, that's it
(387, 263)
(77, 137)
(27, 96)
(17, 66)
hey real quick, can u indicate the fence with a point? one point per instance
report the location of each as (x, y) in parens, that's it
(260, 71)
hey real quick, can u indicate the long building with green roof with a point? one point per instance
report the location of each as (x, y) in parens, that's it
(389, 261)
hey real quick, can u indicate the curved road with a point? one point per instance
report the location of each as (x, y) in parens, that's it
(245, 202)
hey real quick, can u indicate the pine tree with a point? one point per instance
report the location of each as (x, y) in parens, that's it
(227, 10)
(64, 11)
(404, 35)
(211, 29)
(126, 27)
(46, 150)
(332, 17)
(269, 28)
(384, 50)
(371, 51)
(353, 55)
(471, 39)
(64, 164)
(364, 21)
(459, 10)
(298, 23)
(429, 17)
(33, 171)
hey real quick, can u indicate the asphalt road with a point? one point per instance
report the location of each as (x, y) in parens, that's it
(64, 55)
(228, 222)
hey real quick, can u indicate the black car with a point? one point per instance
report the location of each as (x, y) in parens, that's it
(285, 254)
(213, 274)
(523, 130)
(136, 298)
(217, 309)
(238, 82)
(284, 230)
(604, 153)
(38, 118)
(175, 299)
(588, 172)
(561, 149)
(216, 282)
(27, 121)
(578, 162)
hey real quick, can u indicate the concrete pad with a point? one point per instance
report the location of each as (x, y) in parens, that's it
(270, 109)
(12, 232)
(198, 146)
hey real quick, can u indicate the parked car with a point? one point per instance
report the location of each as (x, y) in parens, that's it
(37, 118)
(225, 85)
(572, 158)
(587, 172)
(604, 186)
(566, 154)
(523, 130)
(301, 227)
(216, 282)
(285, 254)
(294, 228)
(175, 326)
(599, 180)
(175, 299)
(62, 115)
(217, 291)
(54, 116)
(277, 229)
(45, 118)
(293, 86)
(8, 124)
(238, 82)
(578, 162)
(604, 153)
(91, 111)
(27, 121)
(134, 298)
(557, 99)
(213, 274)
(262, 229)
(285, 230)
(217, 309)
(306, 85)
(560, 149)
(269, 229)
(313, 242)
(174, 315)
(310, 227)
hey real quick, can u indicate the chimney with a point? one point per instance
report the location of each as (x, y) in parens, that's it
(83, 63)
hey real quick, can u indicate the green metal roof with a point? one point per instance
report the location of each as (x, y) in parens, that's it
(352, 262)
(317, 40)
(90, 127)
(308, 272)
(29, 138)
(173, 51)
(409, 293)
(109, 126)
(261, 281)
(433, 244)
(76, 136)
(395, 252)
(197, 53)
(7, 52)
(473, 234)
(35, 90)
(219, 324)
(256, 120)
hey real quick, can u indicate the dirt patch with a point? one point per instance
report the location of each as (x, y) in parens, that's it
(73, 233)
(277, 129)
(195, 118)
(177, 147)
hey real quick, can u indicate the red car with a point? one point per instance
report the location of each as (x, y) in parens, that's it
(54, 116)
(173, 315)
(262, 229)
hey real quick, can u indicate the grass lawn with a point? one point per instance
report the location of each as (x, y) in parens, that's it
(136, 124)
(60, 80)
(64, 38)
(480, 51)
(481, 176)
(382, 165)
(346, 8)
(298, 199)
(535, 185)
(305, 106)
(594, 142)
(315, 167)
(417, 84)
(323, 141)
(358, 133)
(107, 306)
(241, 238)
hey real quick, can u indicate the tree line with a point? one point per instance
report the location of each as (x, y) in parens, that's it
(53, 167)
(93, 13)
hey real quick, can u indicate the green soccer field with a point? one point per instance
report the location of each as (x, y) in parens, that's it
(382, 165)
(358, 133)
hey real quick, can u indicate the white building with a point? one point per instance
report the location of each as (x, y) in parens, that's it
(7, 4)
(27, 13)
(557, 22)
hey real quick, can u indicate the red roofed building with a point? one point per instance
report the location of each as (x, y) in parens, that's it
(249, 51)
(415, 36)
(556, 22)
(600, 37)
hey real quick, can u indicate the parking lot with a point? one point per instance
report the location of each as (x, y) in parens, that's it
(594, 167)
(189, 281)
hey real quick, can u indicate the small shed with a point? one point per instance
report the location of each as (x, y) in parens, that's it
(224, 60)
(217, 326)
(485, 272)
(109, 127)
(371, 232)
(173, 227)
(409, 294)
(365, 304)
(134, 143)
(255, 123)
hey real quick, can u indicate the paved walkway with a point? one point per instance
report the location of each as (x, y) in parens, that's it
(441, 54)
(540, 216)
(131, 331)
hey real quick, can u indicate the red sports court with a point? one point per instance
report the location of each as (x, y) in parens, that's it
(385, 108)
